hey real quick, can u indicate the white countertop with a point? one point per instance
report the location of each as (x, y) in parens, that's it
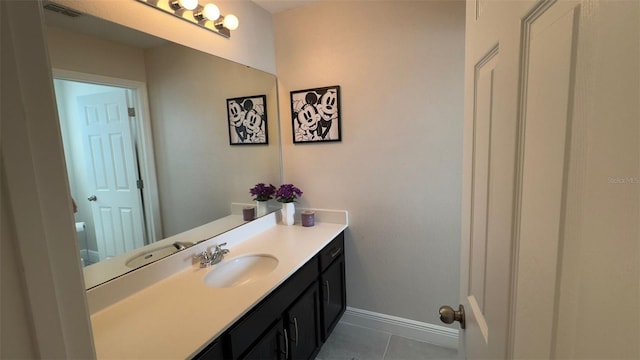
(179, 315)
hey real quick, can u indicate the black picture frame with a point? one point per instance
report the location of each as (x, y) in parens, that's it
(247, 120)
(315, 115)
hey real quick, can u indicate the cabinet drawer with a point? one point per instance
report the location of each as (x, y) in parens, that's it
(255, 323)
(331, 252)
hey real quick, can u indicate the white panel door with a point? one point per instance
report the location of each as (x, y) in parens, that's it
(577, 292)
(551, 241)
(492, 56)
(112, 168)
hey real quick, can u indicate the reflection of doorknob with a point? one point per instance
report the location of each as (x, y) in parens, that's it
(92, 198)
(448, 315)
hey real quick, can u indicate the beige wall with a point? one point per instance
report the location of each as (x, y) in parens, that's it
(251, 44)
(199, 173)
(398, 167)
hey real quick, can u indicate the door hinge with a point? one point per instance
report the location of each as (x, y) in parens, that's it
(132, 111)
(139, 184)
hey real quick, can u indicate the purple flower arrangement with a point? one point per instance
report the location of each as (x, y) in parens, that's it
(262, 192)
(288, 193)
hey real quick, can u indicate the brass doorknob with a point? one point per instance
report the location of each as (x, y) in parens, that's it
(448, 315)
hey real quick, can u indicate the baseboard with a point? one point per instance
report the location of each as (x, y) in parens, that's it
(429, 333)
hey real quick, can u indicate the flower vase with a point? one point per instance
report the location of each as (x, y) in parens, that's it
(288, 210)
(261, 208)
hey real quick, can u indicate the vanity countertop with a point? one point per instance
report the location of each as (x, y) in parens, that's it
(179, 315)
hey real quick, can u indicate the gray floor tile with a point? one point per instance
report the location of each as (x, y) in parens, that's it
(349, 342)
(406, 349)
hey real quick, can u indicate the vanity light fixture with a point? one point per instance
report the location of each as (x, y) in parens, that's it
(207, 16)
(208, 12)
(183, 4)
(230, 22)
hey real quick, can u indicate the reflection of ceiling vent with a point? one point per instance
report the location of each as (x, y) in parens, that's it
(61, 9)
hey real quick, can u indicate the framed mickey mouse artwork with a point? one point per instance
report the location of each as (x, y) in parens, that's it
(316, 114)
(247, 119)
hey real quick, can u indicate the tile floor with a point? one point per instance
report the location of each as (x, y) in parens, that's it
(351, 342)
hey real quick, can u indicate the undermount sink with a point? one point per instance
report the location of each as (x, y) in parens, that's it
(241, 270)
(151, 256)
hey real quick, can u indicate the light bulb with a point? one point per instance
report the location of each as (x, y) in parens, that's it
(211, 12)
(230, 22)
(188, 4)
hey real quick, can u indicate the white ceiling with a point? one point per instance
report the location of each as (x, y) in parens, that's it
(275, 6)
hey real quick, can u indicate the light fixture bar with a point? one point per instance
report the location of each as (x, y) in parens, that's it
(195, 16)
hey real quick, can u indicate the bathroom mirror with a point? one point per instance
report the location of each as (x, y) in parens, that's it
(144, 121)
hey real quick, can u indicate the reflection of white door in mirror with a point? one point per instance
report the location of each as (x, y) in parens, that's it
(103, 170)
(112, 171)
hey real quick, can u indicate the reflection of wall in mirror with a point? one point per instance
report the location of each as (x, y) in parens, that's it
(191, 134)
(91, 55)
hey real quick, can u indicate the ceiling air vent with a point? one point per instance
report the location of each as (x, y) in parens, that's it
(61, 9)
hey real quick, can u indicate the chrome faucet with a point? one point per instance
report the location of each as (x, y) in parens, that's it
(211, 258)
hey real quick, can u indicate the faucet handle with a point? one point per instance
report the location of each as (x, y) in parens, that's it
(203, 256)
(219, 249)
(225, 251)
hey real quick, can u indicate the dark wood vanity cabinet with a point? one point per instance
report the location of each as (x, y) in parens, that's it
(295, 319)
(294, 336)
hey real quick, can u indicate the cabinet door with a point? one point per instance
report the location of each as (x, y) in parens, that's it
(334, 296)
(272, 345)
(302, 321)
